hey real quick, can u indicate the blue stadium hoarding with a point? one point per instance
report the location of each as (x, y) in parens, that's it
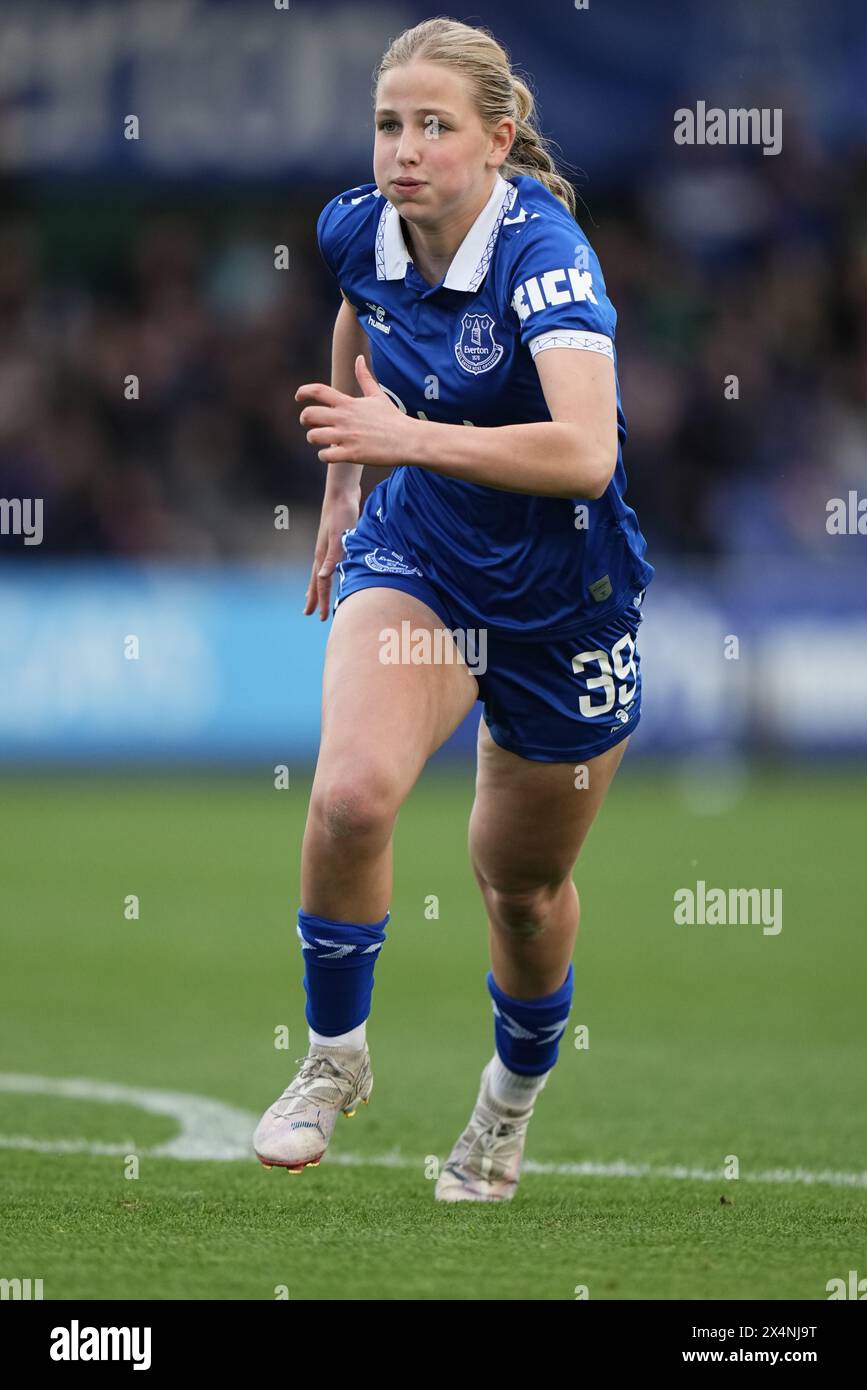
(239, 89)
(159, 663)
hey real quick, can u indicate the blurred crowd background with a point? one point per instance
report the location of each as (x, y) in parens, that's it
(717, 266)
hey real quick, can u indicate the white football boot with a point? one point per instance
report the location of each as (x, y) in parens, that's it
(294, 1131)
(485, 1163)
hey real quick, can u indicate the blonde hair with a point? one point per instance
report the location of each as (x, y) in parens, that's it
(494, 88)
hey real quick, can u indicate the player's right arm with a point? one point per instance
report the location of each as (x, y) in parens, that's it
(342, 502)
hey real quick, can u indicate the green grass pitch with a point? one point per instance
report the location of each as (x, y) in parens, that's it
(704, 1042)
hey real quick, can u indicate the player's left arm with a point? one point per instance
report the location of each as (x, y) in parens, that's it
(566, 322)
(573, 454)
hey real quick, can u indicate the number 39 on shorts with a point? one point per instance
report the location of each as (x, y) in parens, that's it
(613, 682)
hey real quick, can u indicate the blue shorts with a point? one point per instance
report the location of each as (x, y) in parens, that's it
(557, 700)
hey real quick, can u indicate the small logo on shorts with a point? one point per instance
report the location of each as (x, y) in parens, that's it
(601, 588)
(389, 562)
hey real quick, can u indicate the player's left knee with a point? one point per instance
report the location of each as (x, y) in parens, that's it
(524, 912)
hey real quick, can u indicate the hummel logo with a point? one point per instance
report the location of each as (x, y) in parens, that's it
(345, 950)
(377, 322)
(342, 948)
(549, 1033)
(341, 951)
(512, 1026)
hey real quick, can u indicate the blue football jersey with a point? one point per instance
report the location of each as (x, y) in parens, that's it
(524, 279)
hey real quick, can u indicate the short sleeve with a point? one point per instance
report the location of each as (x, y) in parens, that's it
(345, 229)
(324, 237)
(557, 290)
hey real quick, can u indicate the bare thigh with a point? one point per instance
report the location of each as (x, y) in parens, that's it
(530, 819)
(380, 724)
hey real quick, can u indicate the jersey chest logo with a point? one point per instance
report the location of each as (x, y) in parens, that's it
(476, 349)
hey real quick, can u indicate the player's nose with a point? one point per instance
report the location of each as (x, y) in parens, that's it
(408, 150)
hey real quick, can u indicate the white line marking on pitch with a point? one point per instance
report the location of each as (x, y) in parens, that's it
(206, 1128)
(211, 1129)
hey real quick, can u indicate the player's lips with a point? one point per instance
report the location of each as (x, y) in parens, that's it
(408, 185)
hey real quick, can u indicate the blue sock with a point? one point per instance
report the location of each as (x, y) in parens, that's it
(527, 1032)
(338, 970)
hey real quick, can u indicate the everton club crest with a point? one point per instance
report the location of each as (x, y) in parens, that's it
(476, 350)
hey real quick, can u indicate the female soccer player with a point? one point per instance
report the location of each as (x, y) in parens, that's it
(474, 353)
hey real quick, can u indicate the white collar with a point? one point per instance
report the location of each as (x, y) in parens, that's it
(472, 258)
